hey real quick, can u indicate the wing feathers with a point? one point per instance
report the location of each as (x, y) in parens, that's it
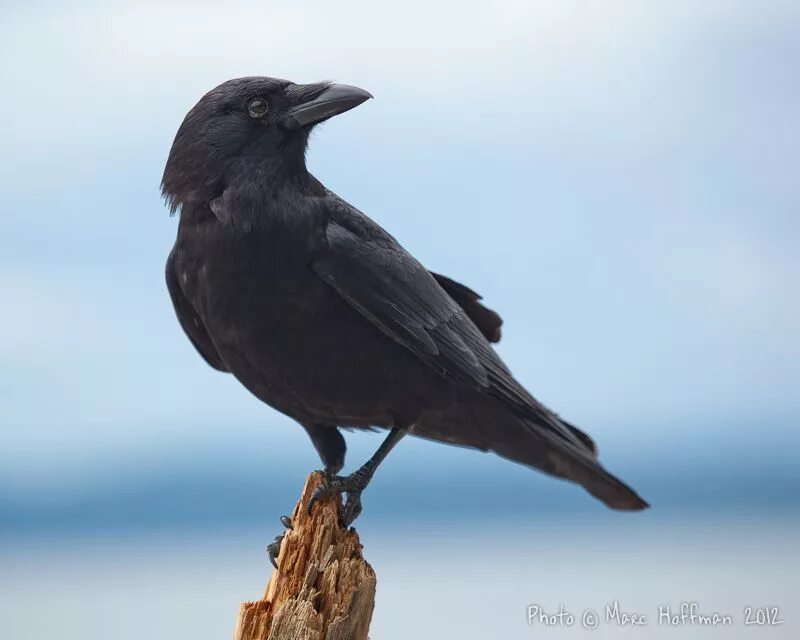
(379, 278)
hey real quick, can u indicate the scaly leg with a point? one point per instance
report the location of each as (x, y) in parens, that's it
(274, 547)
(330, 446)
(356, 482)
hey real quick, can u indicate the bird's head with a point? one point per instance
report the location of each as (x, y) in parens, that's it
(249, 131)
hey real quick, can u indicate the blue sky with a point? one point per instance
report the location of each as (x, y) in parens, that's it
(619, 181)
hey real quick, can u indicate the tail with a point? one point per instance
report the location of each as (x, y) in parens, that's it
(604, 486)
(537, 446)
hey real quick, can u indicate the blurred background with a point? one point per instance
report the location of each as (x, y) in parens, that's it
(619, 181)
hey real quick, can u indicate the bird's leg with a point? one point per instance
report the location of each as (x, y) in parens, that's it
(330, 446)
(356, 482)
(274, 547)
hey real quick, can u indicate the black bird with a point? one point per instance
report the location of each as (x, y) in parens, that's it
(322, 314)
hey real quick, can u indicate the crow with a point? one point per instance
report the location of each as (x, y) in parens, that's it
(324, 316)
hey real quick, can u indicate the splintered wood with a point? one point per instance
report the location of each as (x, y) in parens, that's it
(323, 588)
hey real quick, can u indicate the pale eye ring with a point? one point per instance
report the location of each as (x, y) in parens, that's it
(257, 108)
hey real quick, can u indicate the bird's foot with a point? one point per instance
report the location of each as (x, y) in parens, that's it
(330, 473)
(274, 547)
(353, 485)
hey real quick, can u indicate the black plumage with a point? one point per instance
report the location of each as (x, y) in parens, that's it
(321, 314)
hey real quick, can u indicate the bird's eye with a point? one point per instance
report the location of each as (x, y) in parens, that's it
(257, 108)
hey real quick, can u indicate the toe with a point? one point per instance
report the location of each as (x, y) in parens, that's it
(320, 493)
(351, 510)
(274, 550)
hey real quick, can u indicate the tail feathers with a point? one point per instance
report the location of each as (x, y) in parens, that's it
(541, 448)
(597, 481)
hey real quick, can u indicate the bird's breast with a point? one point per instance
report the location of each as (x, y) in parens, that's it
(290, 338)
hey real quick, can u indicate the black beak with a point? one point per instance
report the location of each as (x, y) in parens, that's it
(335, 99)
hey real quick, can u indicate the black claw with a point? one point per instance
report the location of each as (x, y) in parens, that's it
(352, 485)
(274, 549)
(329, 487)
(320, 493)
(314, 497)
(352, 509)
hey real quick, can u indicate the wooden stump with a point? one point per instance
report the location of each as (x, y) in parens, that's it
(323, 589)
